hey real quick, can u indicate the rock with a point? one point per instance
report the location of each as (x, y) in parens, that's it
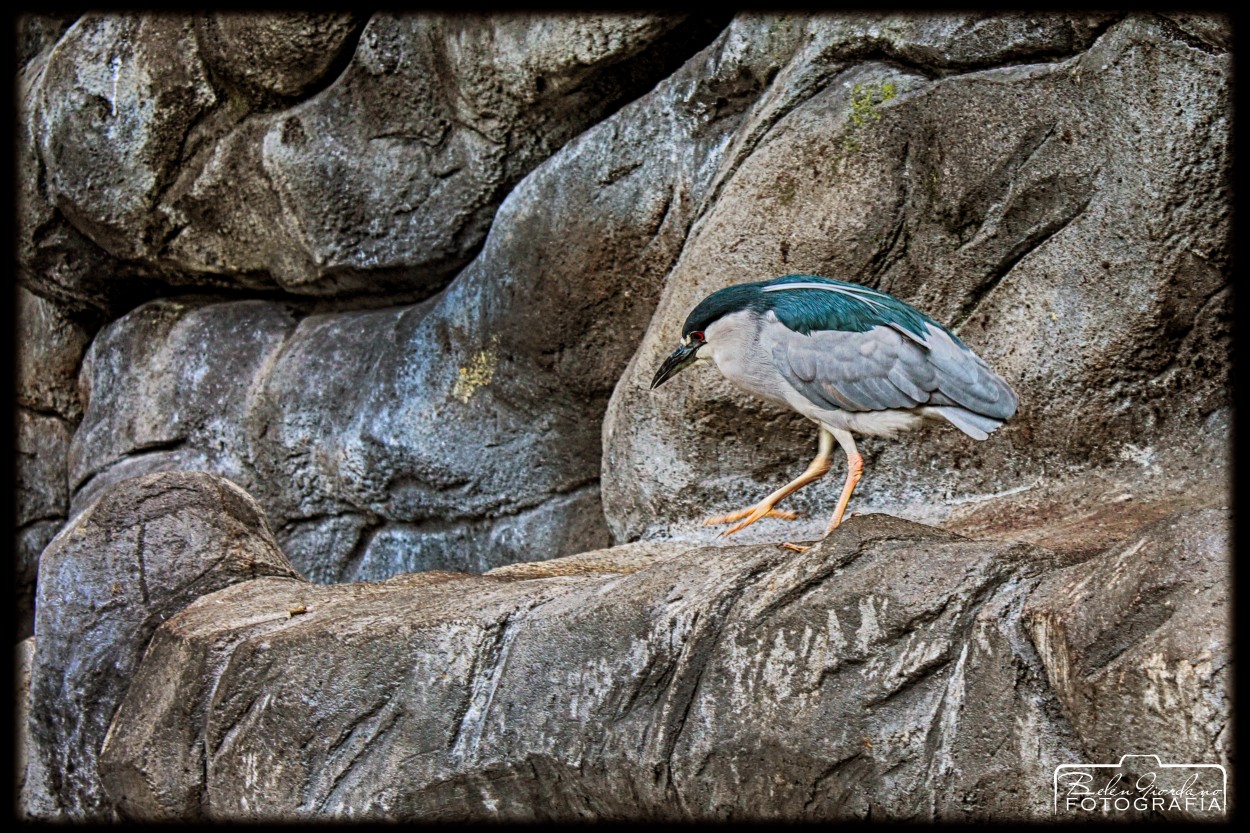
(171, 149)
(267, 56)
(885, 672)
(27, 801)
(42, 501)
(42, 444)
(386, 273)
(37, 32)
(50, 345)
(944, 42)
(389, 179)
(462, 433)
(115, 105)
(170, 356)
(51, 253)
(1137, 646)
(1209, 31)
(1034, 208)
(143, 550)
(29, 543)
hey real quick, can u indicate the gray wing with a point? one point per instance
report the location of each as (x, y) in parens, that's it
(883, 369)
(964, 379)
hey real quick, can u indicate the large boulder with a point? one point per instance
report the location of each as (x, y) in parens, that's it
(461, 433)
(302, 151)
(1069, 218)
(141, 552)
(884, 673)
(1137, 643)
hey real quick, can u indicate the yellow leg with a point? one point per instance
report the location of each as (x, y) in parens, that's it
(854, 471)
(764, 508)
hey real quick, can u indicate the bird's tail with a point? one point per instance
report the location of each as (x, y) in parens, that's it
(975, 425)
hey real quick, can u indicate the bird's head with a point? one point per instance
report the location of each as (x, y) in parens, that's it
(701, 327)
(692, 350)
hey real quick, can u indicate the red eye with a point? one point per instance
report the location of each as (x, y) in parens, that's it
(698, 336)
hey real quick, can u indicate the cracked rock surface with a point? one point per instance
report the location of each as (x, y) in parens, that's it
(1068, 218)
(896, 670)
(315, 298)
(137, 555)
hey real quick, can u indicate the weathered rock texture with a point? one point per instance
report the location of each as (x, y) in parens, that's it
(220, 150)
(405, 278)
(135, 557)
(1142, 635)
(1069, 219)
(50, 346)
(24, 656)
(460, 433)
(886, 673)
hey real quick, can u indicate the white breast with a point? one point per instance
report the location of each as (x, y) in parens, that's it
(734, 344)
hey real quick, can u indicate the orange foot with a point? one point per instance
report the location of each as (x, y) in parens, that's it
(751, 514)
(796, 547)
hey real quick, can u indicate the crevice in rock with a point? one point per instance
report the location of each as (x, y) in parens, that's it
(1176, 32)
(488, 659)
(1147, 615)
(693, 662)
(155, 447)
(885, 257)
(22, 527)
(827, 774)
(800, 590)
(333, 748)
(41, 410)
(1030, 244)
(1041, 56)
(914, 678)
(341, 62)
(373, 524)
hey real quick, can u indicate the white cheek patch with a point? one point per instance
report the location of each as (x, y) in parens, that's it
(703, 355)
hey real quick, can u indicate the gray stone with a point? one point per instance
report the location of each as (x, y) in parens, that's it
(1069, 219)
(42, 445)
(143, 550)
(50, 345)
(115, 104)
(267, 55)
(459, 433)
(1137, 643)
(37, 32)
(945, 42)
(152, 148)
(28, 801)
(42, 500)
(425, 248)
(29, 543)
(869, 676)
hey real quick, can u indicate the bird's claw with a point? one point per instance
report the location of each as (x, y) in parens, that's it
(796, 547)
(751, 514)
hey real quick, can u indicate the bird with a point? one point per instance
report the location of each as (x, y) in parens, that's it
(850, 358)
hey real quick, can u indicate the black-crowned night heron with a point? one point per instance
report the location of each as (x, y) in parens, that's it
(851, 359)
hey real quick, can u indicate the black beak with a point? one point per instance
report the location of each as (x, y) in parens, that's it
(678, 360)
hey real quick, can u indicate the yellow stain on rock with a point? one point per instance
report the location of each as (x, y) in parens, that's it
(477, 375)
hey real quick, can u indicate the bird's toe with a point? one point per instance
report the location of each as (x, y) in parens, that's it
(784, 514)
